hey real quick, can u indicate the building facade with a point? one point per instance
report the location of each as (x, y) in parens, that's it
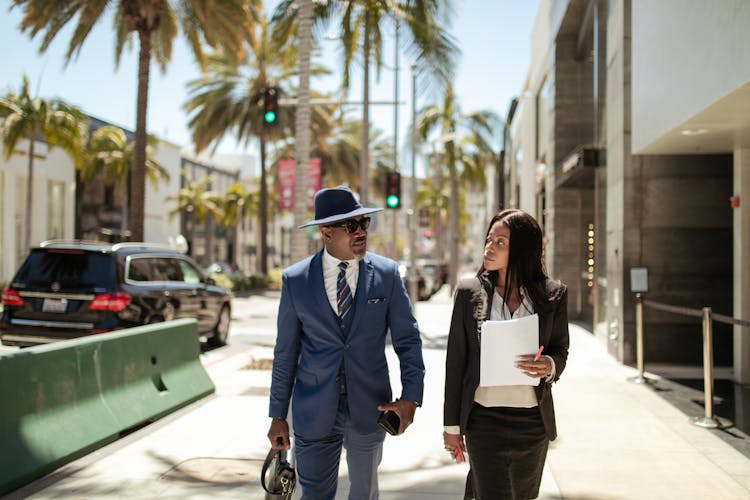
(630, 143)
(65, 208)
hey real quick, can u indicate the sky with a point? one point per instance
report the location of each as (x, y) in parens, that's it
(494, 37)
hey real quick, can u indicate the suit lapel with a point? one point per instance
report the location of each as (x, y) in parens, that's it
(318, 290)
(364, 281)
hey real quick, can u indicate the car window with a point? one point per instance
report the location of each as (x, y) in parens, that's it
(140, 270)
(154, 269)
(190, 274)
(169, 269)
(69, 268)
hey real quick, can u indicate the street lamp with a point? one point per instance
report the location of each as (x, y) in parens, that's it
(412, 283)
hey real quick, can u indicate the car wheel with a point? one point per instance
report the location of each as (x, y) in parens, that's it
(221, 330)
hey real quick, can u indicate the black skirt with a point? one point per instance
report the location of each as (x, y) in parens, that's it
(507, 448)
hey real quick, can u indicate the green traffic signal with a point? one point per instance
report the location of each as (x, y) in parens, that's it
(392, 190)
(270, 105)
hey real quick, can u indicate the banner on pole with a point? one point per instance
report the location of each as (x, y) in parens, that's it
(286, 182)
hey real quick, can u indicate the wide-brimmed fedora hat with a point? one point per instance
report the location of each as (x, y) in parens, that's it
(335, 204)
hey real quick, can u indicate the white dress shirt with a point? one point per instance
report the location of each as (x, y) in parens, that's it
(331, 274)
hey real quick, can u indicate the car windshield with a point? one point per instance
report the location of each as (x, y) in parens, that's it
(70, 269)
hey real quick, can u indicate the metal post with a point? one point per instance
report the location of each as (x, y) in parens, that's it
(639, 379)
(412, 277)
(393, 254)
(364, 154)
(708, 420)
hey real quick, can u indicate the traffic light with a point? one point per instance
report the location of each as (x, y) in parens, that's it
(270, 105)
(393, 190)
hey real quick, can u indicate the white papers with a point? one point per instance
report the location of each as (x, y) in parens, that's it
(502, 343)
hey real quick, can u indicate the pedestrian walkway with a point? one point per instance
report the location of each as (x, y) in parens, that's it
(617, 440)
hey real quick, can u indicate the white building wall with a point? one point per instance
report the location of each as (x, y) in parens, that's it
(159, 226)
(702, 56)
(49, 165)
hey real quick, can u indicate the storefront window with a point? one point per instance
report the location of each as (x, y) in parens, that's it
(55, 209)
(543, 115)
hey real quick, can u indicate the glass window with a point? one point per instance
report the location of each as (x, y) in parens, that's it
(70, 268)
(153, 269)
(55, 209)
(167, 269)
(543, 117)
(190, 273)
(139, 270)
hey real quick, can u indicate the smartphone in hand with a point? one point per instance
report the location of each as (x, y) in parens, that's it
(458, 455)
(389, 421)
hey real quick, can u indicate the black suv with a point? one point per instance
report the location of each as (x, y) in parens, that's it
(70, 289)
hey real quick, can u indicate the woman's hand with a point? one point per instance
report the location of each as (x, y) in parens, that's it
(454, 442)
(534, 369)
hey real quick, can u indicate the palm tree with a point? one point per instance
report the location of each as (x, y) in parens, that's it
(230, 101)
(156, 24)
(198, 202)
(362, 24)
(465, 141)
(110, 155)
(27, 118)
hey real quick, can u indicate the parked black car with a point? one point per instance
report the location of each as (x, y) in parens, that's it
(68, 289)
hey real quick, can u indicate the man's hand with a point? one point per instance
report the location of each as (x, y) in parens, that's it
(278, 434)
(405, 411)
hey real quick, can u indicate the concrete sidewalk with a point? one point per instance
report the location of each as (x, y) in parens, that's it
(617, 440)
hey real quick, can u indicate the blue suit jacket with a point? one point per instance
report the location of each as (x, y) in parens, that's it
(311, 346)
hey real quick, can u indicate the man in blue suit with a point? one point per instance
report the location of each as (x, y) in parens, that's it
(329, 361)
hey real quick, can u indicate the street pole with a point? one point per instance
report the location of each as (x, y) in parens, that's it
(395, 213)
(299, 248)
(413, 219)
(364, 154)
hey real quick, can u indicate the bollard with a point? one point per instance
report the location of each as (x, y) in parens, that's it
(708, 420)
(639, 379)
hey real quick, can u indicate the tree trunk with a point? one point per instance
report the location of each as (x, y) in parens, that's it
(29, 191)
(452, 218)
(302, 125)
(138, 170)
(125, 208)
(263, 215)
(193, 222)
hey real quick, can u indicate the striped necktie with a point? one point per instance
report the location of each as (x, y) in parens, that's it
(343, 292)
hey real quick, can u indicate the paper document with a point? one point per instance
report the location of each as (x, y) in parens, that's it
(502, 343)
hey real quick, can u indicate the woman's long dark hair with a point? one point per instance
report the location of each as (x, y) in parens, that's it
(525, 265)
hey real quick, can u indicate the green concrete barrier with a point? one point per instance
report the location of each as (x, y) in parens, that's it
(61, 401)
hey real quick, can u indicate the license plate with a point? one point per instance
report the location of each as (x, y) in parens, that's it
(55, 305)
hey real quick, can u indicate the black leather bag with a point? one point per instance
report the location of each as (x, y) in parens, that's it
(278, 476)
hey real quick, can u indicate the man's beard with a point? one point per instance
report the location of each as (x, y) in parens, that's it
(359, 255)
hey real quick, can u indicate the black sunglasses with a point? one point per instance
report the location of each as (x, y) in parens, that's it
(351, 225)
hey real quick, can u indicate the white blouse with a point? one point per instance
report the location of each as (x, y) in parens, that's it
(514, 396)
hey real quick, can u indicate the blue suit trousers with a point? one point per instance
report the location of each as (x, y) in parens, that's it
(317, 460)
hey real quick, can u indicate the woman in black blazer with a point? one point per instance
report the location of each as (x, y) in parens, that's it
(507, 428)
